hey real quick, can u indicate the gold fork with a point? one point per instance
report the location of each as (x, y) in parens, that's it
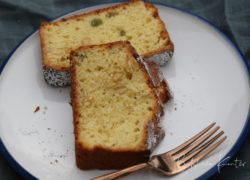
(176, 160)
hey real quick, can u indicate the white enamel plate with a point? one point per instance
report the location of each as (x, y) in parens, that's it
(208, 78)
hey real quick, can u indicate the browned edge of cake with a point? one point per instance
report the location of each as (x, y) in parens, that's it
(169, 46)
(159, 81)
(54, 75)
(104, 158)
(57, 75)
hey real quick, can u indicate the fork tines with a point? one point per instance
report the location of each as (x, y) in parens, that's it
(189, 153)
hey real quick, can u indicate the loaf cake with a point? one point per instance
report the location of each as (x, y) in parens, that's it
(134, 21)
(117, 100)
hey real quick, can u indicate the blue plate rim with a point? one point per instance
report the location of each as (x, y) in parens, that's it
(207, 174)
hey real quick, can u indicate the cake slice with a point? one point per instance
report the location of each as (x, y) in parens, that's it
(117, 104)
(134, 21)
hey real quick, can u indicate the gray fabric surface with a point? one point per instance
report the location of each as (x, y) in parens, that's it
(18, 18)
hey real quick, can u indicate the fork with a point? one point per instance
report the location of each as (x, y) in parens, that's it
(178, 159)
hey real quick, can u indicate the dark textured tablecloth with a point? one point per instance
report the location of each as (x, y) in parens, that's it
(18, 18)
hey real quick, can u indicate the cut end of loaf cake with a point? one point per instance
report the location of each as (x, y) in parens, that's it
(133, 21)
(116, 103)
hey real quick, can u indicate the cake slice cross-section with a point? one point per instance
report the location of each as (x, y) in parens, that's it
(135, 21)
(117, 102)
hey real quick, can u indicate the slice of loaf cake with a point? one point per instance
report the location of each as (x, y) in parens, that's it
(133, 21)
(117, 104)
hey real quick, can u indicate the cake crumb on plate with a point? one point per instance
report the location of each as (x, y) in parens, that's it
(37, 109)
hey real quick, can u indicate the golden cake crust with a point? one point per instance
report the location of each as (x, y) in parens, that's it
(105, 158)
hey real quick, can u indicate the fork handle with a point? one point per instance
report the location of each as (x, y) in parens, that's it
(124, 172)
